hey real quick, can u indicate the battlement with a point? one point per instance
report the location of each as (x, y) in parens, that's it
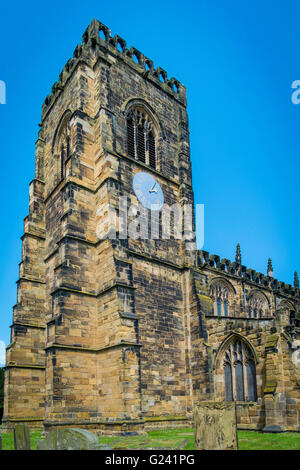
(94, 44)
(205, 259)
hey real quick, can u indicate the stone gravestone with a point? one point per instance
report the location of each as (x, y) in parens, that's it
(215, 425)
(21, 437)
(70, 439)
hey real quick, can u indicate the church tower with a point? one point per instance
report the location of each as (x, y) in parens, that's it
(120, 323)
(100, 330)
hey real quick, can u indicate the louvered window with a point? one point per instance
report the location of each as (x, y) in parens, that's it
(152, 150)
(130, 138)
(141, 140)
(141, 150)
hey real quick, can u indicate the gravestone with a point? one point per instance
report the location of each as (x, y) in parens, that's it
(70, 439)
(21, 437)
(215, 426)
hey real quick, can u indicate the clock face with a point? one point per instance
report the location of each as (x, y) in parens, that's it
(148, 191)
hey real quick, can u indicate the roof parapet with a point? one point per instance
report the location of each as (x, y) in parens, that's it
(93, 43)
(204, 259)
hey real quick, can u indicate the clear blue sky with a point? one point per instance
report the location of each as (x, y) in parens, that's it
(237, 60)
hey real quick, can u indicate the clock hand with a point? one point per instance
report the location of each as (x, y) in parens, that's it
(152, 190)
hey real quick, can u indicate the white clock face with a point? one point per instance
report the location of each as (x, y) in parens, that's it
(148, 191)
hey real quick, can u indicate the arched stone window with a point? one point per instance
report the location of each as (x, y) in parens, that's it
(62, 143)
(258, 305)
(141, 137)
(64, 147)
(239, 372)
(221, 292)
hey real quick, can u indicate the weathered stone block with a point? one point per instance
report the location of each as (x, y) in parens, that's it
(70, 439)
(21, 437)
(215, 426)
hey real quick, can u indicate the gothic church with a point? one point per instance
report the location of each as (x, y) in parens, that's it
(118, 335)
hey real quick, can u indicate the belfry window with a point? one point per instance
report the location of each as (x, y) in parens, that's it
(64, 155)
(131, 137)
(62, 144)
(141, 143)
(152, 150)
(141, 138)
(239, 373)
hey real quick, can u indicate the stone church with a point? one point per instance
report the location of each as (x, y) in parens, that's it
(126, 334)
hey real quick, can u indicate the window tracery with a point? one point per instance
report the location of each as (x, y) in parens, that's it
(257, 305)
(220, 293)
(239, 372)
(141, 138)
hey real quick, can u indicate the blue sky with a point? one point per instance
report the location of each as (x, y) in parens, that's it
(237, 60)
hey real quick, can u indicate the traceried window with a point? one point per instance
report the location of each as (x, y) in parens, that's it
(141, 138)
(257, 305)
(239, 372)
(220, 293)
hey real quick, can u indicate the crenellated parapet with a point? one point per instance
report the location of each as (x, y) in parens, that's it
(211, 261)
(94, 46)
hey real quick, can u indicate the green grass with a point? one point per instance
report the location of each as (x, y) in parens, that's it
(8, 440)
(180, 439)
(249, 440)
(163, 439)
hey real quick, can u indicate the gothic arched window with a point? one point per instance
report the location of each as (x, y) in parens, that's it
(239, 372)
(141, 138)
(62, 144)
(258, 306)
(221, 292)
